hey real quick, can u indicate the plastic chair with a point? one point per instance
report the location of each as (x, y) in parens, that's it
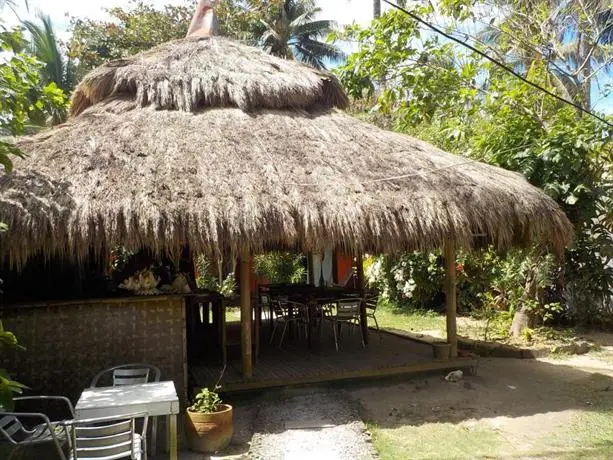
(133, 374)
(108, 438)
(347, 313)
(13, 431)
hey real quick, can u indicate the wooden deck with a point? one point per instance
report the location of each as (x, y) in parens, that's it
(296, 364)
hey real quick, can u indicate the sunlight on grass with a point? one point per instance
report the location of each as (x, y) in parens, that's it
(233, 314)
(602, 354)
(413, 321)
(589, 436)
(436, 441)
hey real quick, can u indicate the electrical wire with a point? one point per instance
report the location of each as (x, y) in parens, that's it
(498, 63)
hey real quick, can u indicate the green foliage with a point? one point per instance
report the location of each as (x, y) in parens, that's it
(416, 280)
(207, 401)
(141, 26)
(24, 99)
(426, 86)
(246, 20)
(8, 387)
(412, 280)
(57, 68)
(138, 27)
(496, 323)
(206, 280)
(280, 267)
(294, 33)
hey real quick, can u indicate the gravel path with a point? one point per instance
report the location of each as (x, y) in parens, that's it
(320, 425)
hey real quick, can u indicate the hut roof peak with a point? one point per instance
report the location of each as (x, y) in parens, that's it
(198, 73)
(204, 23)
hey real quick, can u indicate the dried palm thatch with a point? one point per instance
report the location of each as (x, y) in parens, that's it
(150, 162)
(196, 73)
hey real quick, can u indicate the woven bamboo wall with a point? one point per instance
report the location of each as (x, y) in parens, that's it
(68, 343)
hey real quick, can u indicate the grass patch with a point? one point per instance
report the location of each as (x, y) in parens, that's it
(412, 321)
(589, 436)
(602, 354)
(436, 441)
(233, 314)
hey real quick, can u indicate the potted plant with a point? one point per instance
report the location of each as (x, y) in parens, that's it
(209, 422)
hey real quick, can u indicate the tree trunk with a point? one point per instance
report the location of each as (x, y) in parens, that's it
(524, 317)
(376, 8)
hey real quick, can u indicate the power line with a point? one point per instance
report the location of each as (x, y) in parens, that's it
(496, 62)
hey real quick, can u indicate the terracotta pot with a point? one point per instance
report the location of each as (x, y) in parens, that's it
(210, 433)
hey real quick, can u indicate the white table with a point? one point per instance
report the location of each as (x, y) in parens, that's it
(157, 399)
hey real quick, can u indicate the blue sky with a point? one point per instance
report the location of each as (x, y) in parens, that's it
(342, 11)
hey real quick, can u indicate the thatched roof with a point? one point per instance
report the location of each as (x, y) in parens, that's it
(197, 73)
(217, 144)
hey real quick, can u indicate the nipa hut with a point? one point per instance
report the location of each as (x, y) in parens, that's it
(208, 142)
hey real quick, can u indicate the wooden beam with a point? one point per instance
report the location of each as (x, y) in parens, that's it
(246, 314)
(451, 296)
(363, 317)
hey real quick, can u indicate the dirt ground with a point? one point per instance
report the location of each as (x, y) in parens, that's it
(547, 408)
(556, 408)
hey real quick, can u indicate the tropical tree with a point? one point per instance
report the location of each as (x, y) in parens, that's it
(44, 44)
(141, 26)
(57, 67)
(376, 8)
(25, 100)
(573, 38)
(295, 33)
(130, 30)
(455, 99)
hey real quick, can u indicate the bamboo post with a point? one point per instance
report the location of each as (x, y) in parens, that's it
(310, 268)
(451, 296)
(246, 314)
(363, 317)
(257, 310)
(224, 337)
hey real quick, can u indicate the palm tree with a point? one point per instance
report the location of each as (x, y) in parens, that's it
(46, 47)
(57, 68)
(13, 5)
(376, 8)
(296, 35)
(574, 39)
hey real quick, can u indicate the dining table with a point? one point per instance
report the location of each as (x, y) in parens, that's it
(313, 298)
(156, 399)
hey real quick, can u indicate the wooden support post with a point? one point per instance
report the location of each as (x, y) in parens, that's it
(257, 310)
(363, 317)
(224, 337)
(451, 296)
(246, 314)
(310, 270)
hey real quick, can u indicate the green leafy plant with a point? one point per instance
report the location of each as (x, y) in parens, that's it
(280, 267)
(207, 401)
(8, 387)
(205, 280)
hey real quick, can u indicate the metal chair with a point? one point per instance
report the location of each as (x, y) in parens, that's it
(129, 374)
(282, 309)
(41, 435)
(108, 438)
(133, 374)
(347, 313)
(371, 302)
